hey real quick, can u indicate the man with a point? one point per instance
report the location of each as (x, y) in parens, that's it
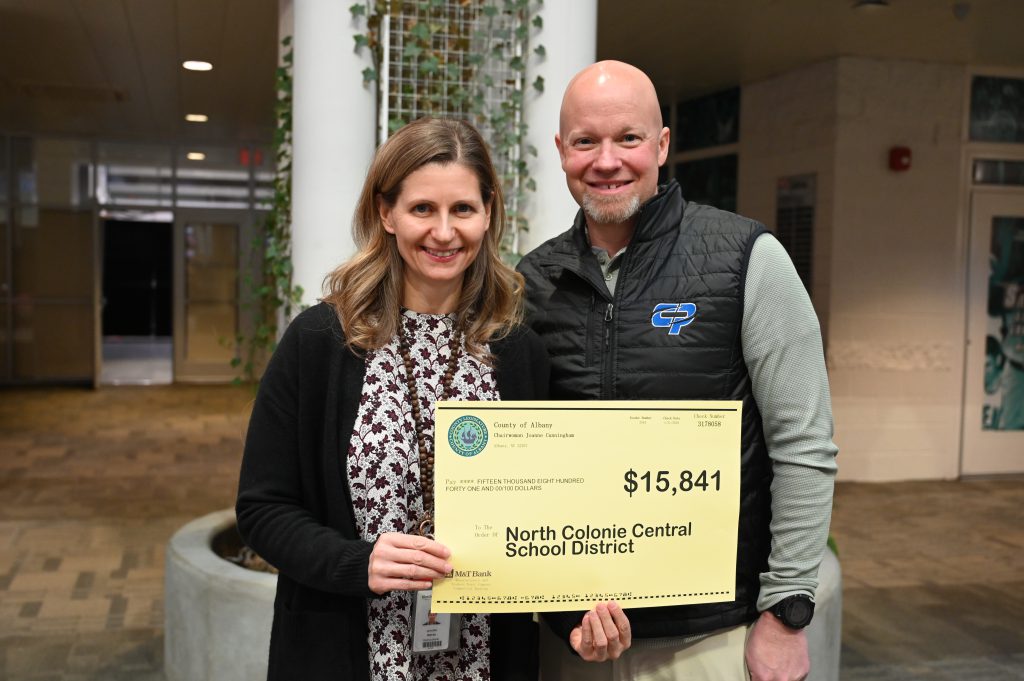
(648, 296)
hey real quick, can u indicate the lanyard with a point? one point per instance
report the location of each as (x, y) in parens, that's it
(426, 525)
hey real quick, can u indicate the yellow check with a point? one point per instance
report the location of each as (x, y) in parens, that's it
(561, 505)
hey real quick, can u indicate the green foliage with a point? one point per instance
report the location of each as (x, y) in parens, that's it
(442, 69)
(275, 297)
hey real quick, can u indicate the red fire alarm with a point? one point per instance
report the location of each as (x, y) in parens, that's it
(899, 159)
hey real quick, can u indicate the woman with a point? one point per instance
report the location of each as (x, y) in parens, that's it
(336, 477)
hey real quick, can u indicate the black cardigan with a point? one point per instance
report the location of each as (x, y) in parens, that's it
(294, 507)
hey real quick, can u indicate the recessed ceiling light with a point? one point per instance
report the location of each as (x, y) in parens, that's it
(196, 118)
(195, 156)
(197, 65)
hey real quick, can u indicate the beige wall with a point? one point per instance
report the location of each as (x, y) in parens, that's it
(53, 285)
(896, 336)
(788, 127)
(889, 260)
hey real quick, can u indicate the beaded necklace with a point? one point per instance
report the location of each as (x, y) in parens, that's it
(426, 525)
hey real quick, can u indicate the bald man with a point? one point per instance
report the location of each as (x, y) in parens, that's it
(649, 296)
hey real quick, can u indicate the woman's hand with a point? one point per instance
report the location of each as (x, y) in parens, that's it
(604, 633)
(406, 562)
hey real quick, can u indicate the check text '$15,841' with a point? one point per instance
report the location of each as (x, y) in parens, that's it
(660, 481)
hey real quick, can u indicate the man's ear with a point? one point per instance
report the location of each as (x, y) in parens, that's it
(385, 214)
(558, 145)
(663, 146)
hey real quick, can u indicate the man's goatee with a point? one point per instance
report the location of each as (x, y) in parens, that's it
(610, 212)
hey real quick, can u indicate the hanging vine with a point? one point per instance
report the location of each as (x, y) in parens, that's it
(275, 297)
(464, 59)
(459, 58)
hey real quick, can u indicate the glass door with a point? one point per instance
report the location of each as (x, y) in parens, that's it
(993, 419)
(208, 252)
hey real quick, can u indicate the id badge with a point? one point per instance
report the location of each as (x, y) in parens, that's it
(433, 632)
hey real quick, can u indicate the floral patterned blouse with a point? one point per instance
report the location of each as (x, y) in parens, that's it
(383, 475)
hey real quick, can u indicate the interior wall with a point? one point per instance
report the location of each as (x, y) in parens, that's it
(788, 127)
(888, 271)
(53, 280)
(896, 328)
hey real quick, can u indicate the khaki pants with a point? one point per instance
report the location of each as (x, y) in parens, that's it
(715, 658)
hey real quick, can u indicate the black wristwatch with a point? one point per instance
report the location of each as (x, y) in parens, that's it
(794, 611)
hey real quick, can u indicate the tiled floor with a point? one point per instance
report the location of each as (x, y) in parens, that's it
(93, 484)
(933, 580)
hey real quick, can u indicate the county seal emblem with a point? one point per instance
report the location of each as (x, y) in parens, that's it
(467, 436)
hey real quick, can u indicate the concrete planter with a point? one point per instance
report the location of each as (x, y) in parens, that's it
(825, 633)
(217, 615)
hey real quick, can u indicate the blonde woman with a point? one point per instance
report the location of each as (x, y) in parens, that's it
(335, 487)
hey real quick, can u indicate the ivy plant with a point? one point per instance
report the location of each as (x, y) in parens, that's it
(449, 54)
(466, 59)
(274, 295)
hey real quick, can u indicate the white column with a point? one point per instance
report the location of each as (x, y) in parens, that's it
(334, 123)
(569, 36)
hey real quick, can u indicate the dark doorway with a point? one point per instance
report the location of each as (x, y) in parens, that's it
(137, 295)
(137, 278)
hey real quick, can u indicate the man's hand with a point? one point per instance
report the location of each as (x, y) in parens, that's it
(775, 652)
(406, 562)
(604, 633)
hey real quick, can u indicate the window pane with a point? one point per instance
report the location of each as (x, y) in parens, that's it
(219, 179)
(211, 291)
(133, 175)
(997, 109)
(711, 181)
(987, 171)
(64, 172)
(23, 169)
(708, 121)
(1004, 343)
(795, 199)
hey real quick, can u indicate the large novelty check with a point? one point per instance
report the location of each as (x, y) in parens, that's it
(560, 505)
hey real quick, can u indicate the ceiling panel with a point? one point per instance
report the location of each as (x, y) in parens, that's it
(153, 29)
(111, 68)
(997, 32)
(244, 28)
(237, 110)
(204, 28)
(691, 47)
(43, 42)
(111, 42)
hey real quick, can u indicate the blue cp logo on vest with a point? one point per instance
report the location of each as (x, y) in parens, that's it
(673, 316)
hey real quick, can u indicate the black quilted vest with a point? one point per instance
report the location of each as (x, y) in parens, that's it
(606, 347)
